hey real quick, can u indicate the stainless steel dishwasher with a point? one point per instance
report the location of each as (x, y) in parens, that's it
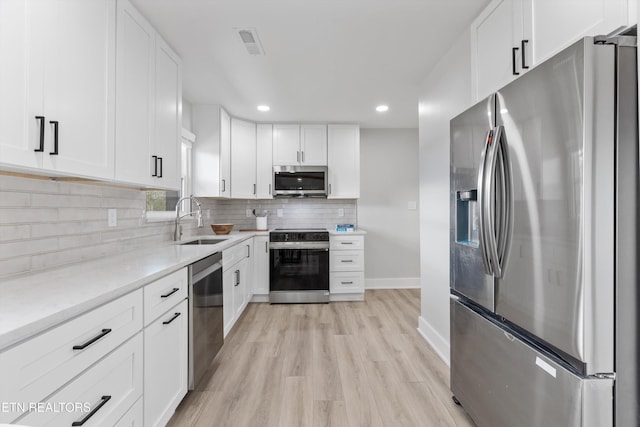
(206, 323)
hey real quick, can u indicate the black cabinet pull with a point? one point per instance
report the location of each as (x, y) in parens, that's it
(55, 137)
(524, 56)
(175, 316)
(237, 278)
(155, 165)
(92, 340)
(347, 283)
(514, 52)
(160, 174)
(346, 260)
(173, 291)
(41, 147)
(224, 185)
(103, 400)
(248, 251)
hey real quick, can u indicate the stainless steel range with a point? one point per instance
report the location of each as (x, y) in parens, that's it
(299, 266)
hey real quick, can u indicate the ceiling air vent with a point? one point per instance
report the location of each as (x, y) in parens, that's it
(250, 40)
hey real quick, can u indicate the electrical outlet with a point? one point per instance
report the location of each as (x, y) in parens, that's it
(279, 212)
(248, 212)
(340, 212)
(112, 217)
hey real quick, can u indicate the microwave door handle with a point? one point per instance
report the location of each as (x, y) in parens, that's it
(481, 203)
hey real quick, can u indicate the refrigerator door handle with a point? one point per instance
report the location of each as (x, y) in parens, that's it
(506, 200)
(482, 199)
(490, 190)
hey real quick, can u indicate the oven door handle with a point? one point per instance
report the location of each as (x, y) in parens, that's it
(207, 271)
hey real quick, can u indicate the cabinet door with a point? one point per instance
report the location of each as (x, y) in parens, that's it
(22, 56)
(168, 115)
(557, 24)
(228, 283)
(240, 288)
(313, 145)
(165, 365)
(494, 34)
(264, 161)
(135, 64)
(344, 161)
(261, 265)
(243, 159)
(249, 274)
(225, 154)
(79, 87)
(286, 145)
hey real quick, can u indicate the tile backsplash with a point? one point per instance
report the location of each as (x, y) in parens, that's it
(46, 223)
(296, 213)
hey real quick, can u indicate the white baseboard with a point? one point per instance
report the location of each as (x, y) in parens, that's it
(393, 283)
(260, 298)
(439, 344)
(347, 297)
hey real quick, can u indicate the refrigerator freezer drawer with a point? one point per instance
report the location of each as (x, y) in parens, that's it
(502, 381)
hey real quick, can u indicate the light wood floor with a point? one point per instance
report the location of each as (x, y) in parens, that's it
(345, 364)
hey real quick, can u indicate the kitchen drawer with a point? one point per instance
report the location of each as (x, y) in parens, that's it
(346, 282)
(235, 254)
(164, 293)
(115, 382)
(133, 417)
(346, 261)
(346, 242)
(37, 367)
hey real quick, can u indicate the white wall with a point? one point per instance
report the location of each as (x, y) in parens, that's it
(388, 182)
(445, 93)
(187, 114)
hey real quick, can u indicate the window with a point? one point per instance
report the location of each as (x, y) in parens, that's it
(161, 204)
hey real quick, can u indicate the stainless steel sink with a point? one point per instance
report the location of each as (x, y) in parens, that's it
(204, 242)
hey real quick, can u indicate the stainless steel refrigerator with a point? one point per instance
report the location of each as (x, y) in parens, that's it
(544, 244)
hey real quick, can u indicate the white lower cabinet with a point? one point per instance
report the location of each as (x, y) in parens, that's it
(346, 265)
(99, 396)
(261, 269)
(237, 281)
(165, 364)
(133, 417)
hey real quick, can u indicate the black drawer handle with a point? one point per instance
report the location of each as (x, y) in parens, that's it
(346, 243)
(56, 125)
(346, 260)
(41, 147)
(347, 283)
(92, 340)
(175, 316)
(170, 293)
(514, 52)
(160, 174)
(155, 165)
(103, 400)
(524, 56)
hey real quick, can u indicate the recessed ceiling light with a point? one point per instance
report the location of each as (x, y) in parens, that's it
(382, 108)
(263, 108)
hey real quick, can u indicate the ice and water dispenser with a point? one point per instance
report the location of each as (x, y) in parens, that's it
(467, 217)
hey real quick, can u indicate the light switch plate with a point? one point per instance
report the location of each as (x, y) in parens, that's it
(112, 217)
(340, 212)
(248, 212)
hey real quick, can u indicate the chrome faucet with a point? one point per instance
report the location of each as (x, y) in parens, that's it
(177, 232)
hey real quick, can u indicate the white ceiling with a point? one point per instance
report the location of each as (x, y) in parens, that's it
(326, 60)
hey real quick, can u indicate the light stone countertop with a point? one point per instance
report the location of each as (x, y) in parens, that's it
(30, 304)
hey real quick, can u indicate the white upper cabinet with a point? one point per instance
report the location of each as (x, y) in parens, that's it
(511, 36)
(58, 64)
(264, 162)
(243, 159)
(211, 152)
(344, 161)
(300, 145)
(558, 23)
(286, 145)
(497, 41)
(313, 145)
(148, 104)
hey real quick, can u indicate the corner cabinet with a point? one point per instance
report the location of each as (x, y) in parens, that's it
(509, 37)
(57, 85)
(148, 104)
(212, 151)
(343, 161)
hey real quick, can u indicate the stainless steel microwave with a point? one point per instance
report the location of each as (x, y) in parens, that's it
(300, 181)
